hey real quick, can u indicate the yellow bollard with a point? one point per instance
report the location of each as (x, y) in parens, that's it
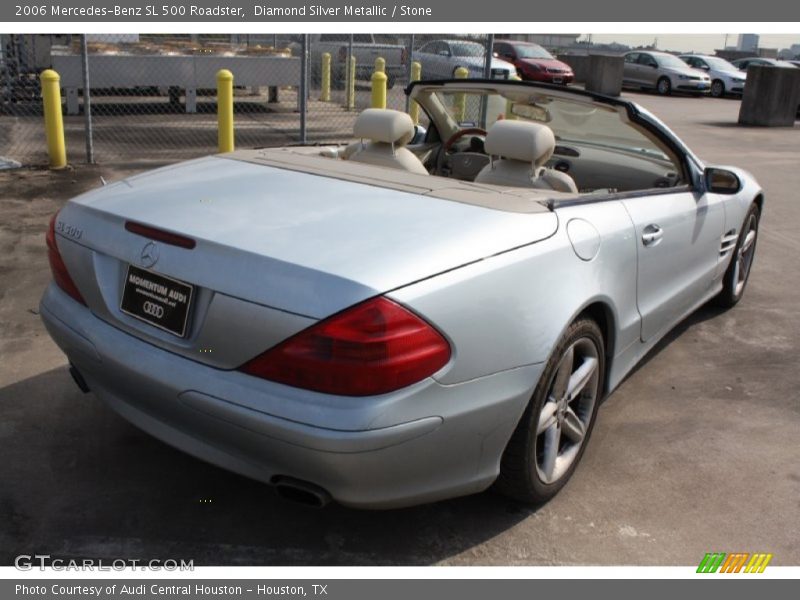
(351, 84)
(460, 99)
(380, 64)
(379, 80)
(225, 110)
(53, 121)
(416, 75)
(325, 94)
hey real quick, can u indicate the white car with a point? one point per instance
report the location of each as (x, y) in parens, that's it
(726, 78)
(440, 59)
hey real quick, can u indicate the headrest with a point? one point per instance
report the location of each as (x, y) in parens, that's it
(521, 140)
(384, 125)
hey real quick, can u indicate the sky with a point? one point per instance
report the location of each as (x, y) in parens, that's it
(704, 43)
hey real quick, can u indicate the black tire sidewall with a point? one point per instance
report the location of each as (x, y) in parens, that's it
(727, 297)
(668, 88)
(531, 489)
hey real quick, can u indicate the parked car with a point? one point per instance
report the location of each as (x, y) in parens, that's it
(743, 63)
(533, 62)
(389, 323)
(664, 73)
(725, 77)
(441, 58)
(366, 48)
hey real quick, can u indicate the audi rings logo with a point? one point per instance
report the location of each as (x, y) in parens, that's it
(153, 309)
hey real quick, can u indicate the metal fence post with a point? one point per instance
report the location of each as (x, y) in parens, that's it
(87, 103)
(410, 68)
(487, 64)
(304, 90)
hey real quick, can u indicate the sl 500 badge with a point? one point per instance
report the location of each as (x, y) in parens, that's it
(69, 231)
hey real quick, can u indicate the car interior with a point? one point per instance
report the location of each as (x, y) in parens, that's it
(520, 139)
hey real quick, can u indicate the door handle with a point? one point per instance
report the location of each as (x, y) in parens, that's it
(652, 235)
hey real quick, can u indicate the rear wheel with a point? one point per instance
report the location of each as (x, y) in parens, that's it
(735, 280)
(717, 88)
(664, 86)
(553, 432)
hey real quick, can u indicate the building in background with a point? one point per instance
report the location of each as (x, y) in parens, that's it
(748, 42)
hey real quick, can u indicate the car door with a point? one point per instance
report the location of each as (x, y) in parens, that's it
(630, 69)
(648, 70)
(678, 237)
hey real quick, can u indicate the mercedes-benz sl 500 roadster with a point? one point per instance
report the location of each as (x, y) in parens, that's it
(423, 313)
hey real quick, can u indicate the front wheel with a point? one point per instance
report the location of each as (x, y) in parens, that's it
(552, 434)
(735, 279)
(664, 86)
(717, 88)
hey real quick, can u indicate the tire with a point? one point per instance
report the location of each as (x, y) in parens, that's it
(736, 276)
(664, 86)
(526, 474)
(717, 88)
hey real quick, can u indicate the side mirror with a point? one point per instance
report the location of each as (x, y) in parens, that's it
(705, 67)
(652, 65)
(721, 181)
(419, 134)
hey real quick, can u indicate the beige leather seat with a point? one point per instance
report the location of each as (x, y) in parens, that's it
(388, 131)
(519, 151)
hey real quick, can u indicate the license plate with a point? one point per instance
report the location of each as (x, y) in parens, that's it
(161, 301)
(557, 80)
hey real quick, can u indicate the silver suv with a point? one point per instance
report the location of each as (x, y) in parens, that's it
(663, 72)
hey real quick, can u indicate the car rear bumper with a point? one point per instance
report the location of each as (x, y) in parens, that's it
(424, 443)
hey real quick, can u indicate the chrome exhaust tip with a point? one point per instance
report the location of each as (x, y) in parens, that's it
(301, 492)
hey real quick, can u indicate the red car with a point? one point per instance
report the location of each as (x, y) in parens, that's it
(533, 62)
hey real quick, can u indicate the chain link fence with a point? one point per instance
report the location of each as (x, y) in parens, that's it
(154, 96)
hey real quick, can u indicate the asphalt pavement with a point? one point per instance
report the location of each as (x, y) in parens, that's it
(697, 451)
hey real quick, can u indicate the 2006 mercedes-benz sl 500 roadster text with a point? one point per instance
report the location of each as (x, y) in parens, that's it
(417, 315)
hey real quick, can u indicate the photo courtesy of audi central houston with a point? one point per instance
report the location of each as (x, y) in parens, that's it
(422, 313)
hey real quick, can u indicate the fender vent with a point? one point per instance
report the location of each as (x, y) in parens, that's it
(728, 242)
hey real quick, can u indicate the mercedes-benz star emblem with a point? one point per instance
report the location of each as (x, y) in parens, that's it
(149, 255)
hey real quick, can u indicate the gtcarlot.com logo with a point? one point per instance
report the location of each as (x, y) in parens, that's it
(26, 562)
(737, 562)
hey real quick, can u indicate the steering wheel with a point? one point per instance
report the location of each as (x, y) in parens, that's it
(451, 141)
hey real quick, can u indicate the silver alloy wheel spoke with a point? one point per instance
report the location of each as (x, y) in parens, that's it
(547, 417)
(748, 241)
(561, 383)
(744, 257)
(581, 377)
(573, 426)
(552, 437)
(566, 414)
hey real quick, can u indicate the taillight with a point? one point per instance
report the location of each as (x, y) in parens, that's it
(372, 348)
(57, 266)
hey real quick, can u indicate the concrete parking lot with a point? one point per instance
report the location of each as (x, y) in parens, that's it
(697, 451)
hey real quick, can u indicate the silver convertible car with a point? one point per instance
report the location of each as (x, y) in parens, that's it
(421, 314)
